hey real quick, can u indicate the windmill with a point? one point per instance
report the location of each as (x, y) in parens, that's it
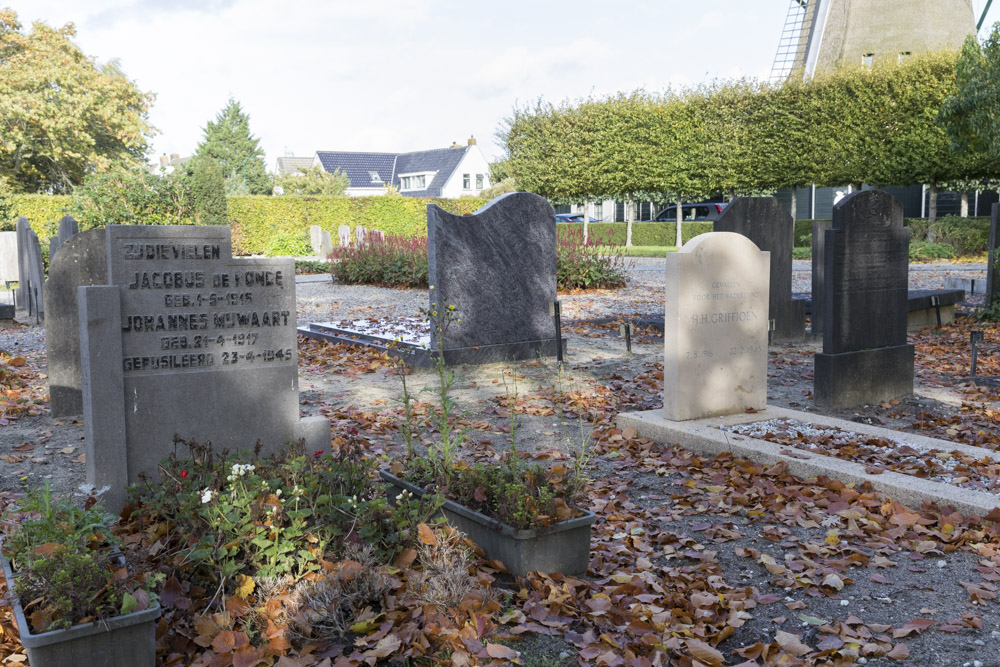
(824, 34)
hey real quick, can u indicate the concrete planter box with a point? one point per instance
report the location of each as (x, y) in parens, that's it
(122, 640)
(562, 547)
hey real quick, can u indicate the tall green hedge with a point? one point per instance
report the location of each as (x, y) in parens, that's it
(43, 211)
(643, 233)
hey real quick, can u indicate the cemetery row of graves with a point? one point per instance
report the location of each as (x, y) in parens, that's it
(593, 504)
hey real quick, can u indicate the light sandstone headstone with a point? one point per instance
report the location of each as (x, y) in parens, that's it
(204, 347)
(319, 239)
(344, 235)
(8, 258)
(865, 357)
(765, 221)
(81, 261)
(993, 259)
(361, 233)
(715, 327)
(498, 268)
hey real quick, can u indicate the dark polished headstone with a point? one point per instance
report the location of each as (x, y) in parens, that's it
(992, 259)
(819, 228)
(765, 221)
(865, 357)
(498, 268)
(81, 261)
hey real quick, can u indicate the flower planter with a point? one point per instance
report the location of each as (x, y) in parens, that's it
(122, 640)
(562, 547)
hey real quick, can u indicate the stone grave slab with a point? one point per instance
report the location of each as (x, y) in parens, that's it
(715, 327)
(204, 347)
(344, 236)
(498, 268)
(35, 281)
(819, 228)
(993, 258)
(68, 228)
(765, 221)
(320, 241)
(865, 356)
(21, 230)
(81, 261)
(9, 264)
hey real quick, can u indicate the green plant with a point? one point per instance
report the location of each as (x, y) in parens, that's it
(311, 266)
(289, 246)
(801, 253)
(395, 261)
(278, 516)
(580, 264)
(131, 197)
(923, 251)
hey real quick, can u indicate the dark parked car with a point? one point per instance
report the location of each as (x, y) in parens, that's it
(705, 211)
(572, 217)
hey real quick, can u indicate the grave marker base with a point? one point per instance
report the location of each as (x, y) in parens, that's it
(847, 379)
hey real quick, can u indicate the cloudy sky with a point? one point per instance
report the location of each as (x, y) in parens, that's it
(402, 75)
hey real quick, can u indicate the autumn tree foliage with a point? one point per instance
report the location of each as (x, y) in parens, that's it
(62, 114)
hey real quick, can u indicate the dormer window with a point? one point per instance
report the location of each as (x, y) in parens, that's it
(376, 179)
(415, 181)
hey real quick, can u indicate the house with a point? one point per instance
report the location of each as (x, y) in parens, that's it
(291, 166)
(440, 172)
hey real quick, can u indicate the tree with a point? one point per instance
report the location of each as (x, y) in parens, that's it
(969, 115)
(62, 115)
(313, 181)
(131, 197)
(203, 177)
(237, 152)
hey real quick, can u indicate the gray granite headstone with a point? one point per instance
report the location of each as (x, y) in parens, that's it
(498, 268)
(765, 221)
(819, 228)
(68, 228)
(344, 235)
(81, 261)
(993, 259)
(207, 351)
(865, 357)
(9, 264)
(21, 230)
(34, 284)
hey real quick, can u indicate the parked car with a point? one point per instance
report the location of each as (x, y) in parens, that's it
(704, 211)
(572, 217)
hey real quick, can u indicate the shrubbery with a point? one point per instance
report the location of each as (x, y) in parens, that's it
(397, 261)
(584, 265)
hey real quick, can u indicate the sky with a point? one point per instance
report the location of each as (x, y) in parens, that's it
(405, 75)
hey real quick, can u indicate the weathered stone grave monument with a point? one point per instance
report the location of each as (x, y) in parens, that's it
(187, 340)
(993, 259)
(320, 241)
(865, 356)
(819, 228)
(361, 233)
(9, 263)
(68, 228)
(498, 268)
(81, 261)
(765, 222)
(30, 270)
(715, 328)
(344, 235)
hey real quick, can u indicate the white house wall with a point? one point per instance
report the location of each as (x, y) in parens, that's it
(472, 163)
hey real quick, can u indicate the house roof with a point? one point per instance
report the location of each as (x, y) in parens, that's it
(291, 165)
(358, 166)
(389, 166)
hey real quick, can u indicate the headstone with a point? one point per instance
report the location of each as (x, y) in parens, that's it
(81, 261)
(68, 228)
(865, 356)
(715, 327)
(361, 233)
(9, 263)
(498, 268)
(765, 221)
(319, 238)
(344, 235)
(21, 230)
(377, 235)
(819, 228)
(196, 344)
(35, 301)
(993, 259)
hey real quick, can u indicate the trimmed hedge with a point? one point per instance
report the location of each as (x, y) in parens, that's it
(43, 211)
(643, 233)
(280, 225)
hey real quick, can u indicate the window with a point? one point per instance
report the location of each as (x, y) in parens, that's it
(413, 182)
(479, 181)
(466, 181)
(867, 60)
(375, 177)
(599, 211)
(904, 56)
(405, 182)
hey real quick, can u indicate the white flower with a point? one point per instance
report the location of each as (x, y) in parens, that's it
(206, 496)
(278, 492)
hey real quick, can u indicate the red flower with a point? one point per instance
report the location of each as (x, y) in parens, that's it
(184, 474)
(354, 431)
(317, 452)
